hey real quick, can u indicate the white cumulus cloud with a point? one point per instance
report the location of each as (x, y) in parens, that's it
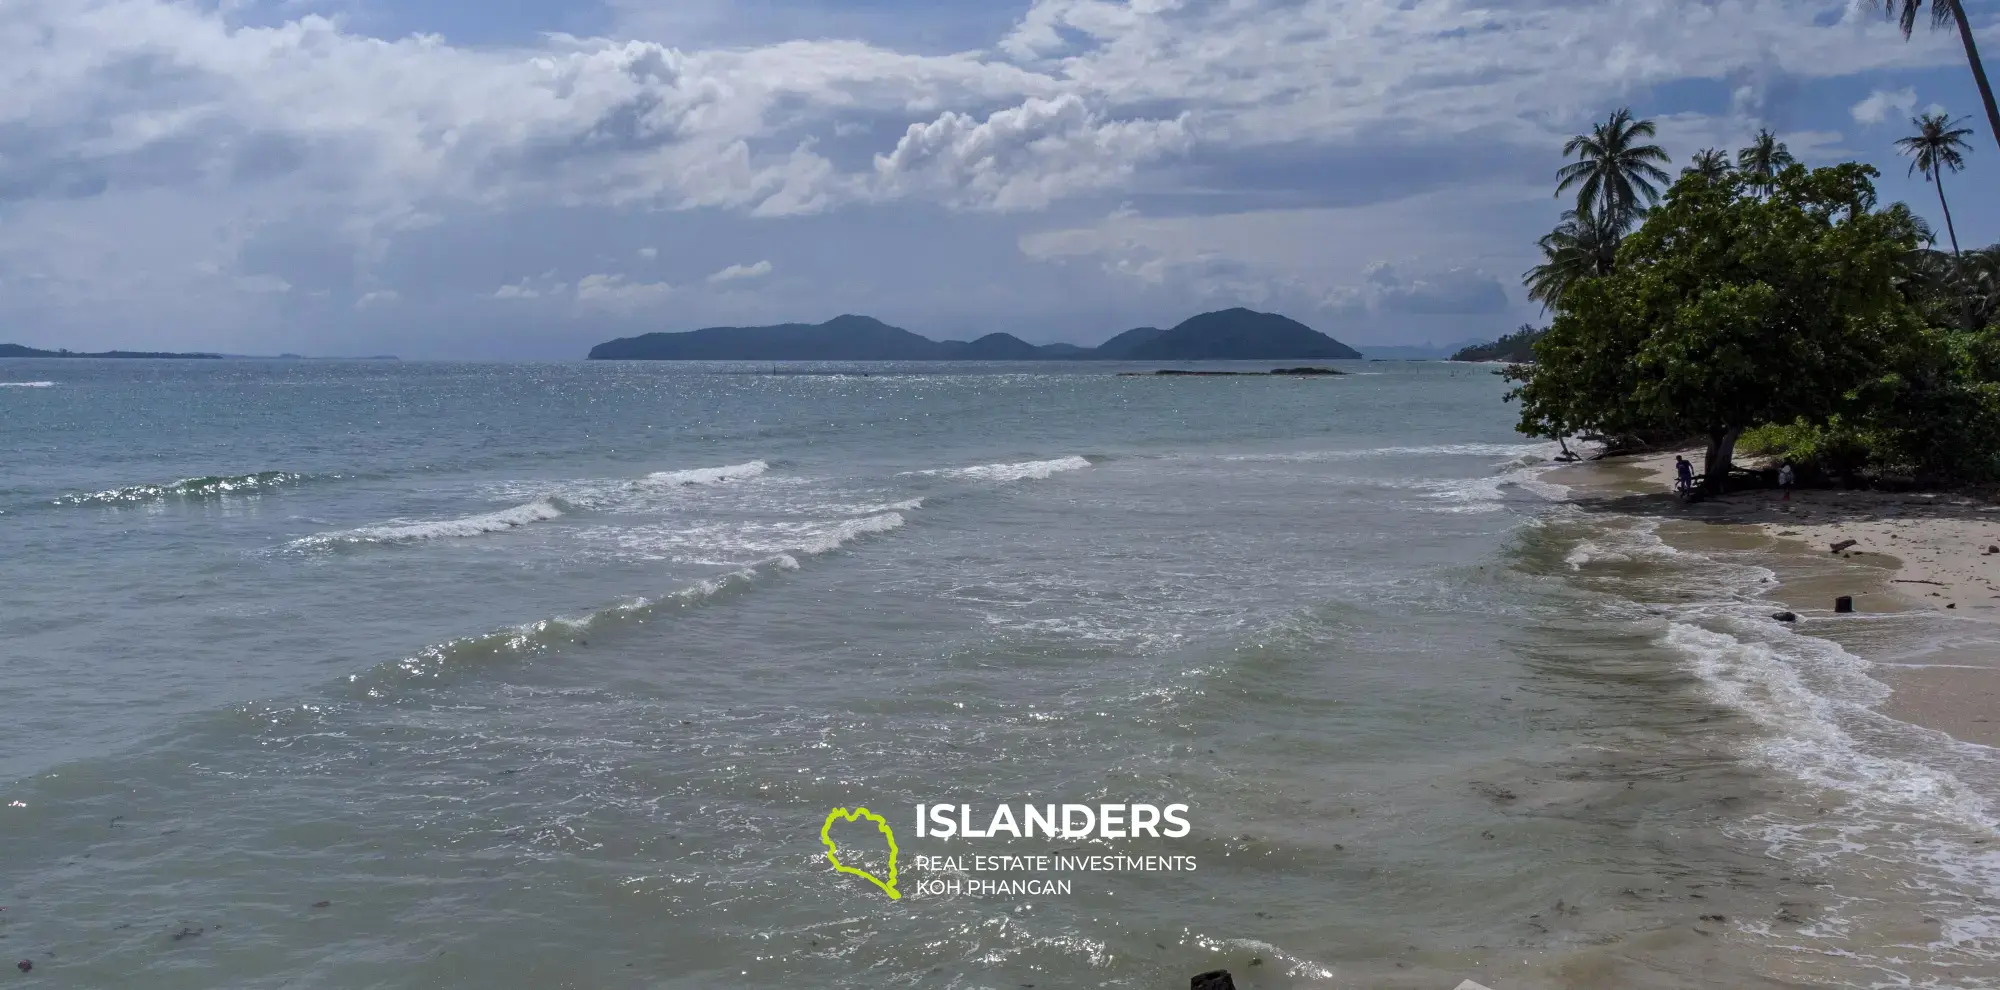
(737, 272)
(1875, 108)
(616, 293)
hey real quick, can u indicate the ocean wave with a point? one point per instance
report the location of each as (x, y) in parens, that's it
(546, 634)
(1017, 471)
(540, 510)
(27, 384)
(849, 531)
(708, 476)
(209, 487)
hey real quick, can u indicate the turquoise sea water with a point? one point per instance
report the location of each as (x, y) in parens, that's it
(325, 674)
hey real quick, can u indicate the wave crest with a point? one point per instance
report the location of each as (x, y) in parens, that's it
(209, 487)
(708, 476)
(1017, 471)
(540, 510)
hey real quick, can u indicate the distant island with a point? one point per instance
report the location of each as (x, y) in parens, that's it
(1515, 348)
(1228, 335)
(19, 351)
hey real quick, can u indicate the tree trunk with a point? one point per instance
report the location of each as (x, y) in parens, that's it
(1721, 455)
(1978, 70)
(1937, 176)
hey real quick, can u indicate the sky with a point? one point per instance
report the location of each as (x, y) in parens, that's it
(520, 179)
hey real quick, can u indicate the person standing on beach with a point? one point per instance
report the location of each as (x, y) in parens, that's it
(1683, 474)
(1785, 479)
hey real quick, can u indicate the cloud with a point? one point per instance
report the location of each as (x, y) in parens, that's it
(1876, 107)
(615, 293)
(736, 272)
(1025, 157)
(1453, 291)
(381, 297)
(649, 253)
(268, 284)
(296, 154)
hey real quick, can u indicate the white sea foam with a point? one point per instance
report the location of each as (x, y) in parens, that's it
(1018, 471)
(837, 536)
(27, 384)
(708, 476)
(540, 510)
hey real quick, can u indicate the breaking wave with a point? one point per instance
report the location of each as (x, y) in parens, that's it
(708, 476)
(210, 487)
(1018, 471)
(27, 384)
(540, 510)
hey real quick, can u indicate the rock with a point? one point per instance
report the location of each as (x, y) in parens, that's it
(1992, 549)
(1786, 617)
(25, 965)
(322, 904)
(1952, 605)
(1844, 544)
(1217, 980)
(1844, 604)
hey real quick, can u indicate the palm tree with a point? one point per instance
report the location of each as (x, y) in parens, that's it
(1938, 145)
(1950, 13)
(1709, 163)
(1763, 160)
(1583, 246)
(1614, 174)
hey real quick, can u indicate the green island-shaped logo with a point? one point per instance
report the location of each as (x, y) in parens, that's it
(833, 851)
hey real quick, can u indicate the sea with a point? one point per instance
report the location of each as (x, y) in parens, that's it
(321, 674)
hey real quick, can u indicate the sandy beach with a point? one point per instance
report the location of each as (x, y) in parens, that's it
(1910, 550)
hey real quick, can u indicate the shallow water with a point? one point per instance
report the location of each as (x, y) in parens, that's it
(548, 675)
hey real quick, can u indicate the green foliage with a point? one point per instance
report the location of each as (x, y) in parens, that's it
(1518, 347)
(1726, 312)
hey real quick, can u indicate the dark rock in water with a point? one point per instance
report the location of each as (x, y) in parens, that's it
(1307, 371)
(1844, 544)
(1992, 549)
(1218, 980)
(1786, 617)
(1844, 604)
(26, 965)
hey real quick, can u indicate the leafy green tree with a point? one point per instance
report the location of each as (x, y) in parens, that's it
(1726, 312)
(1763, 160)
(1712, 163)
(1950, 13)
(1615, 175)
(1938, 145)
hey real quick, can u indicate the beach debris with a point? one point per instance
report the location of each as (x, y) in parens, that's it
(1786, 617)
(1844, 604)
(187, 932)
(1213, 980)
(1844, 544)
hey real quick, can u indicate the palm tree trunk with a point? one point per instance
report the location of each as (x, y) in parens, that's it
(1938, 177)
(1978, 70)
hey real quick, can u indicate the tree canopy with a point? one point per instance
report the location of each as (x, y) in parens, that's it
(1727, 311)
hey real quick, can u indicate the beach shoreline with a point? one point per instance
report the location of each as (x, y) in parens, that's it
(1936, 552)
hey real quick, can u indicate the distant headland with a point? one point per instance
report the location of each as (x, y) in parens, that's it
(19, 351)
(1227, 335)
(22, 351)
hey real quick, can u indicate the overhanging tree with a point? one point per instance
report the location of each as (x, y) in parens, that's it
(1727, 311)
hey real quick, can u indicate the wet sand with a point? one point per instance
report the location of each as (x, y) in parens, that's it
(1910, 551)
